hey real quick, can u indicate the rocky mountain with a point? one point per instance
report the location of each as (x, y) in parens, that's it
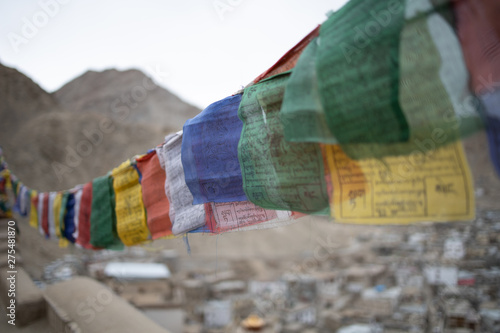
(55, 141)
(128, 96)
(20, 99)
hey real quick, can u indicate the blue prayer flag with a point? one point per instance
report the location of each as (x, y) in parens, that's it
(210, 153)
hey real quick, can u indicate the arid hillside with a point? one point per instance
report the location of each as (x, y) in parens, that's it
(128, 96)
(90, 125)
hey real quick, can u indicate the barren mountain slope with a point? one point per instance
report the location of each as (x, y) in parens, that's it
(55, 141)
(128, 95)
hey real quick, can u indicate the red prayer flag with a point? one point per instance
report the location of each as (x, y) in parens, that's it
(83, 238)
(288, 61)
(153, 195)
(479, 33)
(45, 215)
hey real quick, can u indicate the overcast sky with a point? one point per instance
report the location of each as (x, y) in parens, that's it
(202, 50)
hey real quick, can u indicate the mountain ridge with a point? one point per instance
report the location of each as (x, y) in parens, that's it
(130, 92)
(53, 141)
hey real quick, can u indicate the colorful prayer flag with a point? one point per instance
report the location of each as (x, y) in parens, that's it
(153, 195)
(277, 174)
(210, 153)
(131, 222)
(184, 215)
(103, 233)
(358, 72)
(432, 185)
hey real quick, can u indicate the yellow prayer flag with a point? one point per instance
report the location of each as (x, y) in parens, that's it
(57, 210)
(63, 242)
(33, 210)
(5, 173)
(131, 222)
(18, 187)
(434, 185)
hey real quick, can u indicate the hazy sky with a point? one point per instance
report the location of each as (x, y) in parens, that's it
(202, 50)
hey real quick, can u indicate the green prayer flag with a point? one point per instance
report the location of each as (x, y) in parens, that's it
(14, 183)
(358, 72)
(302, 113)
(434, 92)
(102, 218)
(277, 174)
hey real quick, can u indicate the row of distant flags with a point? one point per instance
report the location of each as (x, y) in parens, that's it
(360, 121)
